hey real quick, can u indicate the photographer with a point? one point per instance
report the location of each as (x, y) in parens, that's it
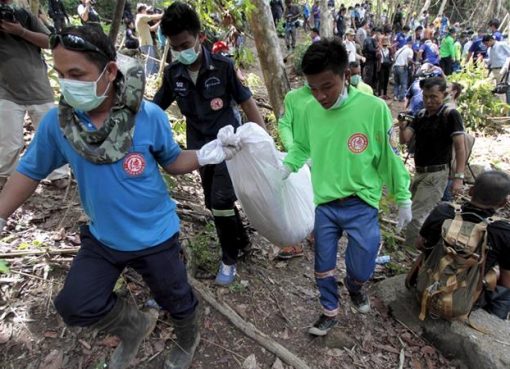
(88, 14)
(57, 12)
(24, 84)
(435, 129)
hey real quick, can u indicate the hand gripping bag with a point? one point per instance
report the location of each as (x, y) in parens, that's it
(280, 210)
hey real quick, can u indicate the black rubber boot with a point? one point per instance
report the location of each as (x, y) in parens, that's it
(188, 337)
(131, 326)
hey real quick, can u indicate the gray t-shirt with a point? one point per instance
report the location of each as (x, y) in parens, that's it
(23, 72)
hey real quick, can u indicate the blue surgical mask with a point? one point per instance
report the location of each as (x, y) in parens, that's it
(82, 95)
(355, 80)
(186, 57)
(341, 98)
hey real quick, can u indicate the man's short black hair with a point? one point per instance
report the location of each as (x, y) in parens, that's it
(487, 38)
(98, 38)
(418, 29)
(316, 30)
(491, 188)
(406, 28)
(494, 22)
(326, 54)
(428, 83)
(354, 64)
(180, 17)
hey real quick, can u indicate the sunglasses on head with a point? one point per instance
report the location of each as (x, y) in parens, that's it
(74, 42)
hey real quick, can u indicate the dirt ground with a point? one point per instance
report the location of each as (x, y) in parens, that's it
(279, 298)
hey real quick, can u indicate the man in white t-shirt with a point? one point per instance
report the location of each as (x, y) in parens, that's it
(403, 58)
(350, 46)
(143, 28)
(88, 15)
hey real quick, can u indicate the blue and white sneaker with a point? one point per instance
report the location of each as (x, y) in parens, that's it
(226, 274)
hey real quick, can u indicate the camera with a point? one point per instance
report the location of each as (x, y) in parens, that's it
(7, 13)
(405, 117)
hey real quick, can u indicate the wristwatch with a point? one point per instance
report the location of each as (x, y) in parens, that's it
(458, 176)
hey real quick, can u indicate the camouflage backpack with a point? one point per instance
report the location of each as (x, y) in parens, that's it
(451, 278)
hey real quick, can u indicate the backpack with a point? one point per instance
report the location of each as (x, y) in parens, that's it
(450, 279)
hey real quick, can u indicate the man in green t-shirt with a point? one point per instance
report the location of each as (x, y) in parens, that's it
(356, 79)
(347, 136)
(447, 52)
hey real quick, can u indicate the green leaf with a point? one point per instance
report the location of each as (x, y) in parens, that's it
(4, 268)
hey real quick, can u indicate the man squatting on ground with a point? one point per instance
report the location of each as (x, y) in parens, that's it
(205, 87)
(114, 142)
(347, 136)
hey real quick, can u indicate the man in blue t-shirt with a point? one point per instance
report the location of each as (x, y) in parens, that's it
(401, 38)
(478, 50)
(429, 52)
(494, 27)
(115, 143)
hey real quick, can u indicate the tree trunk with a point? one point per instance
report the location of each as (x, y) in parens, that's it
(117, 18)
(441, 8)
(270, 55)
(326, 24)
(378, 12)
(498, 9)
(426, 6)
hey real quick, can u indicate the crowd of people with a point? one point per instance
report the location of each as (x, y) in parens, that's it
(115, 141)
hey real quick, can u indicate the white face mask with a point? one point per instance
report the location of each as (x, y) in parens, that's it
(341, 98)
(82, 95)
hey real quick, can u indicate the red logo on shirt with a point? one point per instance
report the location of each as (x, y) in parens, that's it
(216, 104)
(134, 164)
(358, 143)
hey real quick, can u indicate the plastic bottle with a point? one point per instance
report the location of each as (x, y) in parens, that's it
(384, 259)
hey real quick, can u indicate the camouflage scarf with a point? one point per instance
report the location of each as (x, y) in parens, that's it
(113, 140)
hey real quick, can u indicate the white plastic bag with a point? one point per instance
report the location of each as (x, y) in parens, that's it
(280, 210)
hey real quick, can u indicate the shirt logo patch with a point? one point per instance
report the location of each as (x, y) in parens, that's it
(211, 82)
(134, 164)
(357, 143)
(216, 104)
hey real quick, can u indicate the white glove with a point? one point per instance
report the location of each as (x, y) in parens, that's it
(405, 214)
(2, 224)
(214, 153)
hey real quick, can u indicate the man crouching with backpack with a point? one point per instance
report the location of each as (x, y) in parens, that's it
(435, 129)
(488, 194)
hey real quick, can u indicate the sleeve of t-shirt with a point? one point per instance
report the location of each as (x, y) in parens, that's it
(390, 166)
(500, 243)
(473, 47)
(164, 148)
(81, 10)
(165, 95)
(431, 228)
(299, 153)
(455, 123)
(238, 91)
(285, 125)
(43, 155)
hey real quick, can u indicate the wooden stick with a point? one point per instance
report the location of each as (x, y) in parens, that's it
(248, 328)
(17, 254)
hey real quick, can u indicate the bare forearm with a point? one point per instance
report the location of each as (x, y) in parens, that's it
(186, 162)
(253, 114)
(460, 155)
(36, 38)
(16, 191)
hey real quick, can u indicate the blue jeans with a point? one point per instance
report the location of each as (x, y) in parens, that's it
(361, 223)
(400, 77)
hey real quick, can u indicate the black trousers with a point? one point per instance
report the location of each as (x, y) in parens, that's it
(220, 198)
(384, 77)
(88, 295)
(446, 65)
(59, 23)
(370, 74)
